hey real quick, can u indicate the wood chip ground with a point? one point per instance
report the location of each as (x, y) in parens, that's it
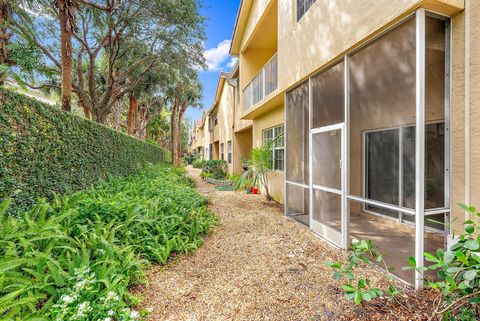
(259, 265)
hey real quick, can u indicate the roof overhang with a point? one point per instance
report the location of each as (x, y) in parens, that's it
(218, 93)
(240, 24)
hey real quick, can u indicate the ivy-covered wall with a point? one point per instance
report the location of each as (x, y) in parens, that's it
(45, 151)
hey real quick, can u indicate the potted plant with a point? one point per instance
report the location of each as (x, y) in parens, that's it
(260, 166)
(247, 186)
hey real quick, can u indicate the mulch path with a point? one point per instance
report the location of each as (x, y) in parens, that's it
(259, 265)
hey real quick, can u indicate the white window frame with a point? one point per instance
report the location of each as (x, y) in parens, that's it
(400, 173)
(275, 133)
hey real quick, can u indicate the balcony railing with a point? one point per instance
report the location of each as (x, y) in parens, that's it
(264, 83)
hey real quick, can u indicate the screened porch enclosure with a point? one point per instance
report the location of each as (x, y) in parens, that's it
(367, 143)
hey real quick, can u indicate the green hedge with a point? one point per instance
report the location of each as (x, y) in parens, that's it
(45, 151)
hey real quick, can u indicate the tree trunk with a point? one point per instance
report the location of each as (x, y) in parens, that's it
(142, 123)
(4, 39)
(179, 131)
(87, 112)
(66, 15)
(132, 117)
(173, 124)
(115, 116)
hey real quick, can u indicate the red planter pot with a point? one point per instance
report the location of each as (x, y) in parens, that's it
(255, 190)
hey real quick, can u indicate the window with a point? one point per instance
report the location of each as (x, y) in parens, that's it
(229, 144)
(302, 7)
(211, 152)
(216, 119)
(210, 124)
(222, 151)
(390, 167)
(275, 134)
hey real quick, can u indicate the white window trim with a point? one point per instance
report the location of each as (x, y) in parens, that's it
(274, 130)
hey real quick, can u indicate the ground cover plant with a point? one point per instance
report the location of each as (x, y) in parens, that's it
(76, 257)
(454, 274)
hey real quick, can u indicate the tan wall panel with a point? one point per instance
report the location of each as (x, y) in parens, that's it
(475, 103)
(271, 119)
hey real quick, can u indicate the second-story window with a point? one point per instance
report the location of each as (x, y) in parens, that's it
(216, 119)
(222, 150)
(302, 7)
(275, 134)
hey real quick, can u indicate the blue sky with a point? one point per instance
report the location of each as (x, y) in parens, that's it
(220, 16)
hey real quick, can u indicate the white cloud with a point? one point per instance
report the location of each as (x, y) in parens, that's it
(232, 62)
(216, 57)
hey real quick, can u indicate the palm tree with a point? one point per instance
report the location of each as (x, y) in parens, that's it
(259, 167)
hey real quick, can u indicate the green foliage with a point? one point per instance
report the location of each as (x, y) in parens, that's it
(189, 159)
(457, 270)
(259, 167)
(198, 163)
(79, 254)
(216, 169)
(45, 151)
(361, 289)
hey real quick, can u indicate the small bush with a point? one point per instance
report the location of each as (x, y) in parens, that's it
(189, 159)
(218, 168)
(75, 257)
(456, 274)
(198, 163)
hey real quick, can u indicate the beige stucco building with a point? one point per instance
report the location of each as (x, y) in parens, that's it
(375, 102)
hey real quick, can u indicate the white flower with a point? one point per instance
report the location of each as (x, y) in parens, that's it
(134, 315)
(107, 319)
(67, 299)
(83, 308)
(110, 312)
(112, 296)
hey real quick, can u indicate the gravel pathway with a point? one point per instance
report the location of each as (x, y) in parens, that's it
(256, 265)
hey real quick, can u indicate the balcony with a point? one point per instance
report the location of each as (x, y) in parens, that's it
(263, 84)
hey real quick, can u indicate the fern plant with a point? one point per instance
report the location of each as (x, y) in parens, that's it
(113, 230)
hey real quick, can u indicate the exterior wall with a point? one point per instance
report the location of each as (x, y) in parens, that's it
(271, 119)
(317, 38)
(207, 138)
(465, 159)
(242, 145)
(225, 121)
(256, 12)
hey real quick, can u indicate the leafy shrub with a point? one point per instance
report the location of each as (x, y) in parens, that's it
(189, 159)
(358, 288)
(218, 168)
(45, 151)
(259, 168)
(198, 163)
(456, 274)
(67, 257)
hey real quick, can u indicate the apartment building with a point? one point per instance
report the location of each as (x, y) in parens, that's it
(376, 102)
(221, 133)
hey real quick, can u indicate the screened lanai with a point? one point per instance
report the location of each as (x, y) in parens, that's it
(367, 141)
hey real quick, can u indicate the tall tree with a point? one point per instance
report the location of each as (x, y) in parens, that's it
(152, 31)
